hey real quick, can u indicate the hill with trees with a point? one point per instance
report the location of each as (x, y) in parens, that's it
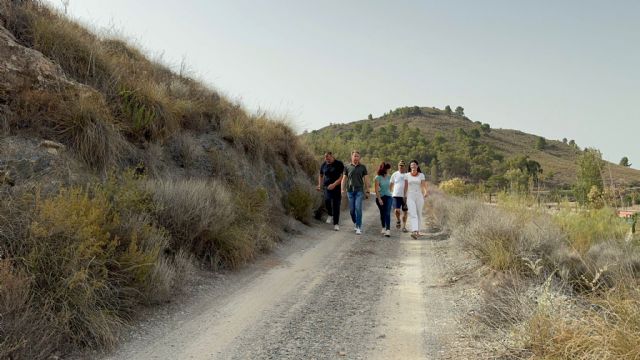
(449, 145)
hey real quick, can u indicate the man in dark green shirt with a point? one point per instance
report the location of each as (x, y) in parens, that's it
(355, 183)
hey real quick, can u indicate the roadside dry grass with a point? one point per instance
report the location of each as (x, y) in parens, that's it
(561, 286)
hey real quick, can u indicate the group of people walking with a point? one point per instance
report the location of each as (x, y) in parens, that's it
(404, 191)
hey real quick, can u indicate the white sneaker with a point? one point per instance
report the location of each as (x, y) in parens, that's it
(387, 233)
(329, 220)
(382, 231)
(355, 228)
(358, 231)
(336, 227)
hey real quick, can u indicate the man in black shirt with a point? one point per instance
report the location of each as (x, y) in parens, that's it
(330, 179)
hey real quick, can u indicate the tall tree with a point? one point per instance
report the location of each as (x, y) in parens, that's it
(589, 174)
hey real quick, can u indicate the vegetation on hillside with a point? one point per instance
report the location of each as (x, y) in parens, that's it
(162, 174)
(460, 154)
(449, 145)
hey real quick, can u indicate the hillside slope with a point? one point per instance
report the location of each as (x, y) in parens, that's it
(118, 177)
(556, 158)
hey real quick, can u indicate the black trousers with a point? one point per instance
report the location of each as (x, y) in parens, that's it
(332, 200)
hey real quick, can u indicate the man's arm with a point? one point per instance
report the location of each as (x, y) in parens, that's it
(343, 183)
(320, 179)
(406, 186)
(338, 182)
(335, 183)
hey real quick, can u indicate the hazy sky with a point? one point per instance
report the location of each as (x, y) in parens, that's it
(552, 68)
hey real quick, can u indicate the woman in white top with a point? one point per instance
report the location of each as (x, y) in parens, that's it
(415, 191)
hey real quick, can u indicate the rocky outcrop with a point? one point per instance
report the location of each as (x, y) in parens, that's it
(26, 161)
(24, 68)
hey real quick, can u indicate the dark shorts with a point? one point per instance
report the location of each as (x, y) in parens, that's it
(398, 202)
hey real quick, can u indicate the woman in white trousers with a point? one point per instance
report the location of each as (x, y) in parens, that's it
(415, 191)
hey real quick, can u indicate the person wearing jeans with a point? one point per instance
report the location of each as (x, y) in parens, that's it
(355, 183)
(383, 197)
(355, 209)
(330, 179)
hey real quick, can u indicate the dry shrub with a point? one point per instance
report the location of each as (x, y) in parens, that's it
(439, 207)
(64, 41)
(252, 232)
(463, 212)
(147, 110)
(618, 259)
(236, 245)
(225, 164)
(308, 162)
(158, 277)
(301, 200)
(540, 237)
(492, 236)
(79, 120)
(185, 150)
(73, 254)
(24, 333)
(242, 131)
(507, 301)
(608, 327)
(195, 212)
(283, 142)
(567, 286)
(587, 228)
(524, 317)
(90, 257)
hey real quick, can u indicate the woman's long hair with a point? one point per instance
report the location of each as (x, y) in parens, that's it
(384, 167)
(417, 164)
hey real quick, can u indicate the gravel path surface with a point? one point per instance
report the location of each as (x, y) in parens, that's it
(323, 295)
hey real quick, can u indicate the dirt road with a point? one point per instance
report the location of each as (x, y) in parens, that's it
(322, 295)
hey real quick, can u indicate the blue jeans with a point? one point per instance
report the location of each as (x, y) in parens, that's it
(385, 211)
(355, 206)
